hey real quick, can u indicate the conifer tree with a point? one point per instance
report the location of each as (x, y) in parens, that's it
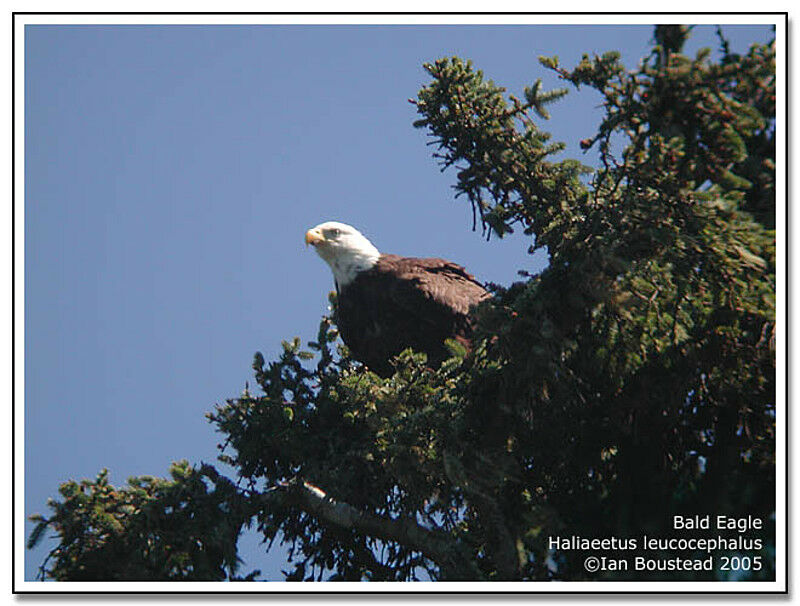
(630, 381)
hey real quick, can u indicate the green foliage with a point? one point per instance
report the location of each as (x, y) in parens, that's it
(631, 380)
(153, 529)
(368, 442)
(709, 128)
(498, 149)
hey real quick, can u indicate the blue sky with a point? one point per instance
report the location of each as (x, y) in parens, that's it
(170, 174)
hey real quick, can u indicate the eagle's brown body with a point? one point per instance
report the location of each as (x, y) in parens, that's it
(404, 302)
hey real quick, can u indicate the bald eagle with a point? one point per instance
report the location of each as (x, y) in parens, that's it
(387, 303)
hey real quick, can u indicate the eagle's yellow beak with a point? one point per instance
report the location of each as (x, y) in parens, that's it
(314, 237)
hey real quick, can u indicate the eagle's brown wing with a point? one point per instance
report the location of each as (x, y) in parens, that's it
(407, 302)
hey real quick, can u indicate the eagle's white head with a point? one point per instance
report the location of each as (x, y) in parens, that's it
(344, 248)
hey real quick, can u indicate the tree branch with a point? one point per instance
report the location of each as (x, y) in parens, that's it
(440, 547)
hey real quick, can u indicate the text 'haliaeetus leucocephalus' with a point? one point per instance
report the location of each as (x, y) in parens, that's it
(387, 303)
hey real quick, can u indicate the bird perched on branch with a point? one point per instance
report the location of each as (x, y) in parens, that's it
(387, 303)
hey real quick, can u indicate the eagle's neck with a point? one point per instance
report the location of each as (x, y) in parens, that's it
(347, 267)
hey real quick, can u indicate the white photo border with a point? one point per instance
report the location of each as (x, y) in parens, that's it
(22, 19)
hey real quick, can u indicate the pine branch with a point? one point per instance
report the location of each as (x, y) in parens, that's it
(435, 545)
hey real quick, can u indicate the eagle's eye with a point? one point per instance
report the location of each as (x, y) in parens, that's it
(334, 232)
